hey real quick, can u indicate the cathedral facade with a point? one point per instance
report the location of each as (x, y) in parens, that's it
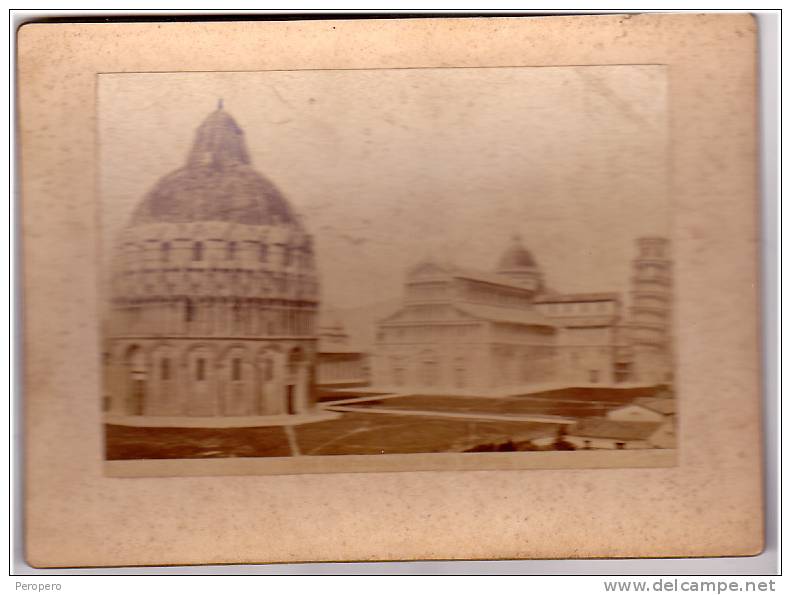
(213, 293)
(463, 330)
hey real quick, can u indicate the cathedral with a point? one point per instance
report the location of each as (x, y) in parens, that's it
(465, 330)
(213, 292)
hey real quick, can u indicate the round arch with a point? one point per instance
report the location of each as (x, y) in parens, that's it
(238, 376)
(200, 362)
(164, 380)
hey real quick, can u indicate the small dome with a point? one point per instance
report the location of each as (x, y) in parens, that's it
(218, 140)
(216, 184)
(516, 257)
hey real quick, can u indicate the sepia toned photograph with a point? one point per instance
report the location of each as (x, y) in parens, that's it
(397, 289)
(381, 262)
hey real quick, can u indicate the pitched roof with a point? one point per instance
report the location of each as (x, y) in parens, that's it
(456, 272)
(597, 427)
(507, 315)
(486, 277)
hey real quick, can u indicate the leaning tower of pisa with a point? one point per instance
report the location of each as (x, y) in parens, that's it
(650, 320)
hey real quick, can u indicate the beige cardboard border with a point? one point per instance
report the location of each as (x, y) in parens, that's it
(710, 504)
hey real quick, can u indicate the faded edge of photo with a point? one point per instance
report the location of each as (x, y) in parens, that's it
(388, 463)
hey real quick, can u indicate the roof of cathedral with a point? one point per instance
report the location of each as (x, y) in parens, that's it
(507, 315)
(457, 272)
(516, 256)
(217, 183)
(486, 277)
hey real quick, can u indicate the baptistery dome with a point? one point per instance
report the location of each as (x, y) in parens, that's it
(217, 183)
(214, 292)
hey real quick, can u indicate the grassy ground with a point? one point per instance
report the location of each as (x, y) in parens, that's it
(588, 393)
(353, 433)
(123, 442)
(483, 405)
(572, 402)
(362, 432)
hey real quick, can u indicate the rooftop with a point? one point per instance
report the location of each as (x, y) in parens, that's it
(217, 183)
(506, 315)
(597, 427)
(660, 405)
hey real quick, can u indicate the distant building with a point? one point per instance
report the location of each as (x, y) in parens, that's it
(467, 330)
(214, 292)
(645, 409)
(340, 362)
(590, 349)
(605, 434)
(462, 329)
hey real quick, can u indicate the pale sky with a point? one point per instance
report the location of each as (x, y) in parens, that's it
(387, 167)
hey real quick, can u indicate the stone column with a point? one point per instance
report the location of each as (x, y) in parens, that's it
(301, 393)
(161, 318)
(276, 391)
(227, 318)
(221, 389)
(208, 317)
(116, 385)
(173, 318)
(181, 325)
(182, 377)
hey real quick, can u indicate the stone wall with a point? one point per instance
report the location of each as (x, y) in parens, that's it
(209, 377)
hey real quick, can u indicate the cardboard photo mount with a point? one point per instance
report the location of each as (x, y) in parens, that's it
(708, 504)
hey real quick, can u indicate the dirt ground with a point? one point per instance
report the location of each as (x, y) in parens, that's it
(353, 433)
(366, 432)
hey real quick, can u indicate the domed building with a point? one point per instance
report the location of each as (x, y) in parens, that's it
(214, 292)
(465, 330)
(460, 330)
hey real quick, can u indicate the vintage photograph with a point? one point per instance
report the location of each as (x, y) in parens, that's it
(385, 262)
(355, 290)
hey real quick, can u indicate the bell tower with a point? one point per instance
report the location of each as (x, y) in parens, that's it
(651, 310)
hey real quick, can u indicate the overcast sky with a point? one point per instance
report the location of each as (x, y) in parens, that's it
(387, 167)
